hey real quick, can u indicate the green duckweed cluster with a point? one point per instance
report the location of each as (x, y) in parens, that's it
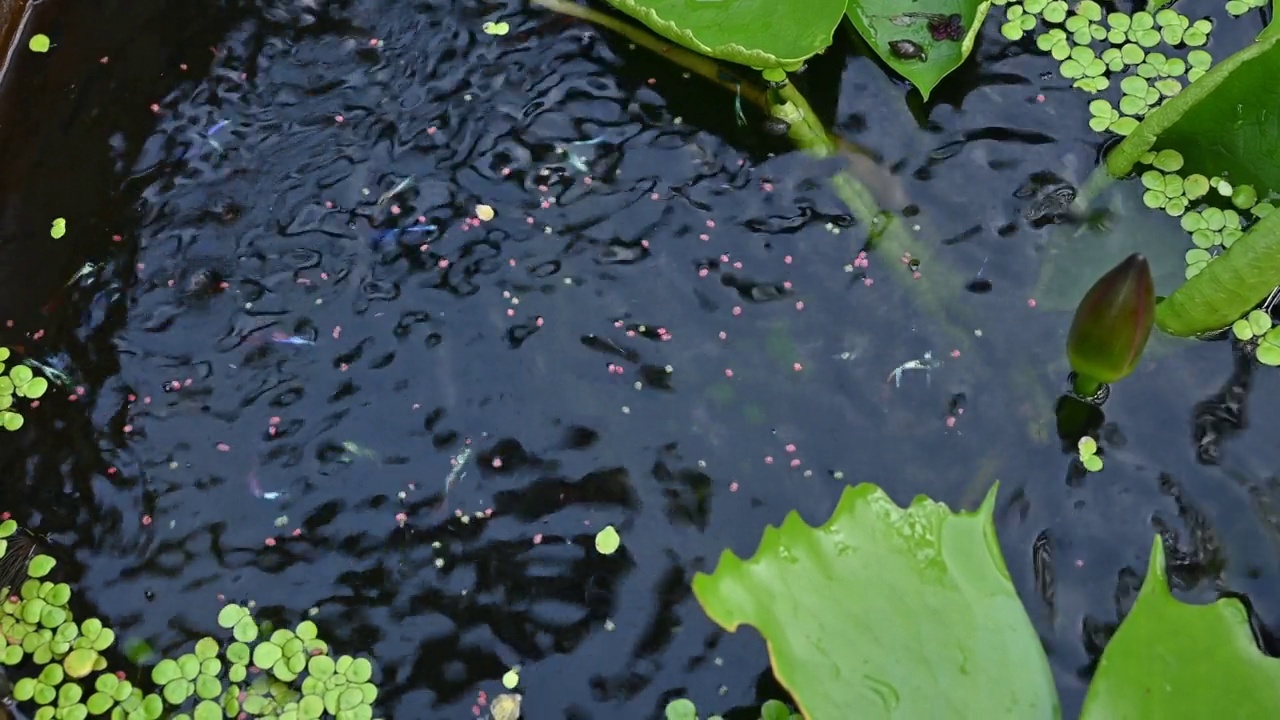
(21, 382)
(1258, 328)
(261, 673)
(1096, 49)
(1087, 450)
(685, 709)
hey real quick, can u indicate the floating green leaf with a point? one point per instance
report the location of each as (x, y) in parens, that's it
(1227, 288)
(39, 43)
(40, 566)
(867, 614)
(608, 541)
(756, 33)
(1155, 665)
(882, 22)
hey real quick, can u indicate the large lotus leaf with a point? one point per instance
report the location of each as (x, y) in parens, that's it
(1170, 661)
(888, 612)
(758, 33)
(1222, 124)
(881, 22)
(1228, 287)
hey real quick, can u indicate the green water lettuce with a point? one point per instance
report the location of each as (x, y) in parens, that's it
(1113, 322)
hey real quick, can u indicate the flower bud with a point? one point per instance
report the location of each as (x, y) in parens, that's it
(1113, 322)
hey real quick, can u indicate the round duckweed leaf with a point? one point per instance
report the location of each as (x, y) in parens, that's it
(1147, 38)
(350, 698)
(212, 666)
(280, 637)
(1176, 206)
(189, 665)
(343, 664)
(35, 389)
(1168, 160)
(1097, 32)
(246, 630)
(10, 526)
(152, 706)
(608, 541)
(59, 595)
(1100, 108)
(52, 675)
(266, 655)
(79, 663)
(1214, 219)
(1142, 21)
(52, 617)
(306, 630)
(99, 703)
(1130, 105)
(1136, 87)
(331, 701)
(320, 666)
(295, 663)
(1154, 199)
(511, 678)
(292, 646)
(238, 652)
(1092, 463)
(360, 671)
(229, 615)
(208, 710)
(206, 648)
(45, 695)
(1195, 186)
(91, 627)
(1132, 54)
(24, 689)
(208, 687)
(1268, 354)
(1054, 12)
(106, 683)
(1082, 36)
(237, 673)
(1173, 185)
(1090, 10)
(310, 708)
(177, 691)
(1259, 322)
(1244, 197)
(165, 672)
(1206, 238)
(1118, 21)
(40, 566)
(1200, 59)
(1099, 124)
(1193, 37)
(1061, 50)
(370, 693)
(1197, 255)
(12, 655)
(1012, 31)
(1075, 23)
(681, 709)
(1027, 23)
(69, 694)
(12, 421)
(104, 639)
(21, 375)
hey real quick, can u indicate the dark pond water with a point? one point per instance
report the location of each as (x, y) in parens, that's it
(656, 330)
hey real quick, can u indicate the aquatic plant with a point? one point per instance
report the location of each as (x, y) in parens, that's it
(685, 709)
(867, 614)
(21, 382)
(260, 672)
(1111, 325)
(1087, 448)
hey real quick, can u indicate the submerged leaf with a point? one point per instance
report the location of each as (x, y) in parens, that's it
(885, 611)
(1170, 660)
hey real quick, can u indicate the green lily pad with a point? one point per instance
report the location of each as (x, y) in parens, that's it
(881, 609)
(756, 33)
(881, 22)
(1220, 124)
(1228, 287)
(1156, 664)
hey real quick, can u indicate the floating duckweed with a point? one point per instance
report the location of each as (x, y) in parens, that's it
(1102, 115)
(1262, 209)
(1154, 199)
(1055, 12)
(1197, 259)
(1132, 54)
(608, 541)
(1268, 351)
(1124, 125)
(1173, 186)
(1195, 186)
(1236, 8)
(1168, 160)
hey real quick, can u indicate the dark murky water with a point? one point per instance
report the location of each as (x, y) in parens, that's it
(657, 330)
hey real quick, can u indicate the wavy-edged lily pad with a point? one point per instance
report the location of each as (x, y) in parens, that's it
(882, 22)
(888, 611)
(1170, 660)
(757, 33)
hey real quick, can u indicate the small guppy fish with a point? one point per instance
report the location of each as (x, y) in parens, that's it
(279, 337)
(398, 188)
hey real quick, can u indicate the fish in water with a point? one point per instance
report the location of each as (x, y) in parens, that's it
(398, 188)
(279, 337)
